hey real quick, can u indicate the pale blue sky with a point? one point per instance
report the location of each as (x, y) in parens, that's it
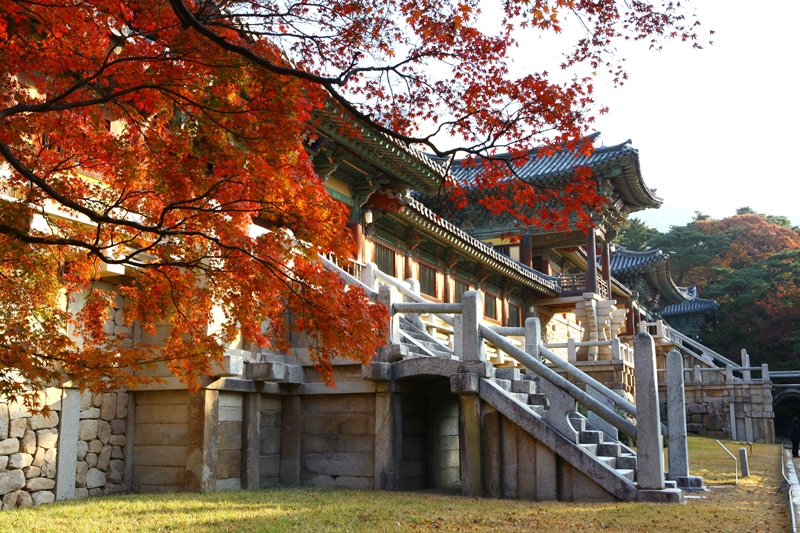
(717, 128)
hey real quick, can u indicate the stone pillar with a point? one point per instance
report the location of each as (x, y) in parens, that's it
(472, 348)
(67, 458)
(201, 446)
(469, 436)
(251, 441)
(387, 295)
(388, 441)
(369, 276)
(746, 377)
(291, 434)
(676, 413)
(743, 461)
(533, 337)
(491, 452)
(591, 258)
(648, 417)
(598, 422)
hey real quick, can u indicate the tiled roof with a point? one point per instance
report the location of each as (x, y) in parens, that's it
(429, 221)
(560, 167)
(653, 264)
(698, 305)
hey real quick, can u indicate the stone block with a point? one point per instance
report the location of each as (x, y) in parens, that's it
(390, 353)
(160, 434)
(32, 471)
(377, 371)
(118, 427)
(91, 459)
(162, 414)
(116, 470)
(93, 493)
(27, 443)
(95, 446)
(47, 438)
(39, 483)
(524, 387)
(11, 480)
(17, 427)
(159, 456)
(49, 466)
(334, 404)
(122, 405)
(229, 464)
(103, 458)
(97, 399)
(90, 413)
(269, 371)
(696, 419)
(117, 440)
(39, 421)
(694, 428)
(358, 483)
(9, 446)
(81, 470)
(713, 422)
(83, 449)
(103, 431)
(20, 460)
(269, 466)
(95, 478)
(229, 436)
(356, 424)
(10, 501)
(108, 407)
(3, 462)
(117, 453)
(17, 411)
(5, 421)
(340, 464)
(81, 493)
(318, 481)
(87, 430)
(113, 488)
(511, 374)
(464, 383)
(293, 374)
(270, 419)
(336, 443)
(86, 399)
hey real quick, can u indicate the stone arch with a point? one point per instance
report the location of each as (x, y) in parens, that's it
(785, 405)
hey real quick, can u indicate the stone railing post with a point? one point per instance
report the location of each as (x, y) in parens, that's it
(388, 295)
(66, 459)
(765, 373)
(616, 354)
(648, 416)
(676, 413)
(698, 376)
(472, 347)
(746, 364)
(369, 276)
(533, 337)
(572, 352)
(728, 373)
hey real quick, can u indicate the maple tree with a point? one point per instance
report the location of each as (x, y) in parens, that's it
(151, 136)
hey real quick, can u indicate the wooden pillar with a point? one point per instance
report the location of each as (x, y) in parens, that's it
(525, 251)
(605, 261)
(357, 231)
(408, 270)
(591, 258)
(447, 297)
(629, 318)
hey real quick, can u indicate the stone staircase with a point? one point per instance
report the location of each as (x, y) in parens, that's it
(607, 450)
(595, 442)
(419, 342)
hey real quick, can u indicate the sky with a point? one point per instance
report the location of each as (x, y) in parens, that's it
(717, 128)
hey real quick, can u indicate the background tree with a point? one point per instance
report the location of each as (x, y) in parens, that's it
(161, 131)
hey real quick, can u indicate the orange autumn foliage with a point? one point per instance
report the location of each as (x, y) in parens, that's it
(150, 135)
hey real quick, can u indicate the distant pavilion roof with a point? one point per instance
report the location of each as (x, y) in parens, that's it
(698, 305)
(654, 265)
(618, 164)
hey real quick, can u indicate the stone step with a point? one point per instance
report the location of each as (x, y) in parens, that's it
(609, 449)
(626, 462)
(610, 462)
(578, 422)
(521, 396)
(590, 437)
(538, 409)
(537, 399)
(627, 472)
(591, 448)
(525, 386)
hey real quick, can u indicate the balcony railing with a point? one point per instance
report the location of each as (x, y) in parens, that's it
(575, 284)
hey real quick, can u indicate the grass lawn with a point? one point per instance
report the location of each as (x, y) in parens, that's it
(751, 506)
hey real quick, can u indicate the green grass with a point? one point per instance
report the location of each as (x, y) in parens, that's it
(751, 506)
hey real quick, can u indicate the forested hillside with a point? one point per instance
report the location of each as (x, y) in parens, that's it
(750, 264)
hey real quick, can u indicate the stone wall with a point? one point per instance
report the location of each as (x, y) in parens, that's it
(88, 430)
(269, 460)
(101, 444)
(160, 438)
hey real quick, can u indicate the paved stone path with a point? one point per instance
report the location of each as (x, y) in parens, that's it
(794, 474)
